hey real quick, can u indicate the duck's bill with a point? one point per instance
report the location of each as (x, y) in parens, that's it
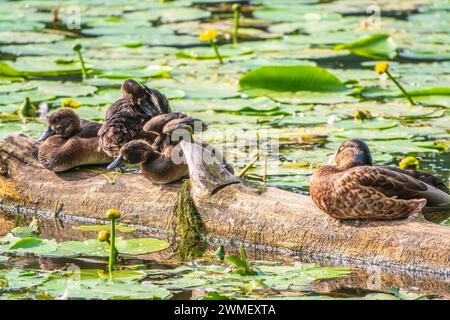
(117, 163)
(49, 132)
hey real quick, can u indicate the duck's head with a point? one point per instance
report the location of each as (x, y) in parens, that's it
(140, 96)
(352, 153)
(64, 122)
(133, 152)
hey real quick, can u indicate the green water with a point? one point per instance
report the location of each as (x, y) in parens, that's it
(157, 43)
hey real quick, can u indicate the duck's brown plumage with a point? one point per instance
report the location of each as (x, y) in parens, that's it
(166, 126)
(355, 189)
(162, 161)
(73, 142)
(126, 117)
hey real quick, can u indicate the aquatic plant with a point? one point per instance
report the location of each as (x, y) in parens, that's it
(383, 68)
(211, 36)
(112, 215)
(236, 15)
(77, 48)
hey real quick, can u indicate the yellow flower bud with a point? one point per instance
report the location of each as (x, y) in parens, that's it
(409, 163)
(103, 236)
(208, 35)
(112, 214)
(381, 67)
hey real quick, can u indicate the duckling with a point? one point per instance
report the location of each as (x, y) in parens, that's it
(163, 126)
(162, 161)
(125, 118)
(352, 188)
(70, 142)
(156, 166)
(170, 129)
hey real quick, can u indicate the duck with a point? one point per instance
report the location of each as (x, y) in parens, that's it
(125, 118)
(162, 162)
(69, 142)
(351, 187)
(170, 129)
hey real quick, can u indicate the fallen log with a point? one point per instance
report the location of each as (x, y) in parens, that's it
(269, 219)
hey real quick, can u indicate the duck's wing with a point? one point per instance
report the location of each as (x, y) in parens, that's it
(158, 100)
(157, 123)
(424, 177)
(116, 107)
(122, 127)
(89, 129)
(394, 184)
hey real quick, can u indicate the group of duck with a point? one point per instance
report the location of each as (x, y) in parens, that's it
(138, 129)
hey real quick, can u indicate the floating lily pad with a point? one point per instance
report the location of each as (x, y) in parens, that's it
(376, 46)
(291, 79)
(8, 37)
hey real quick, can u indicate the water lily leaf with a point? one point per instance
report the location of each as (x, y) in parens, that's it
(186, 282)
(441, 91)
(292, 79)
(98, 228)
(64, 89)
(208, 53)
(300, 121)
(24, 232)
(376, 46)
(140, 246)
(41, 66)
(26, 243)
(177, 15)
(80, 287)
(6, 70)
(149, 72)
(374, 124)
(3, 259)
(8, 37)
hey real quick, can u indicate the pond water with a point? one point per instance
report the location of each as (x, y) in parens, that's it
(157, 43)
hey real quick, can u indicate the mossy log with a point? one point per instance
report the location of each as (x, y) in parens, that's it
(270, 219)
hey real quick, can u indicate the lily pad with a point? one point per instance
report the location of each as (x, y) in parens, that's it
(291, 79)
(376, 46)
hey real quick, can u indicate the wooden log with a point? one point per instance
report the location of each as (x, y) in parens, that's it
(272, 219)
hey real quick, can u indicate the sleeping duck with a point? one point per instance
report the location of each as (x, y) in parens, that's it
(125, 118)
(162, 161)
(70, 142)
(352, 188)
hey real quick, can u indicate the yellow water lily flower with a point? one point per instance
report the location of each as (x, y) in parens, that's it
(381, 67)
(208, 35)
(70, 103)
(409, 163)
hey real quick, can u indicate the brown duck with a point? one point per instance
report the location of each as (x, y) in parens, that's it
(170, 129)
(70, 142)
(162, 161)
(352, 188)
(126, 117)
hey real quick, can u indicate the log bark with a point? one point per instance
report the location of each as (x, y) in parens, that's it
(271, 219)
